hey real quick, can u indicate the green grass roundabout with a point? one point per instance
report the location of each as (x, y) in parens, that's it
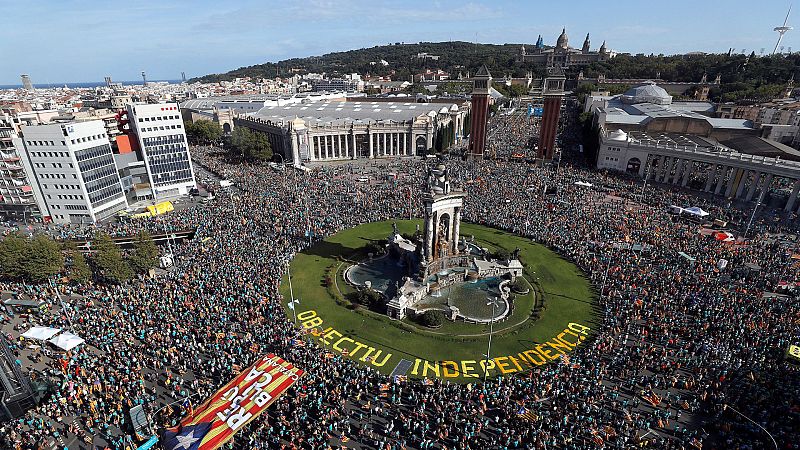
(552, 320)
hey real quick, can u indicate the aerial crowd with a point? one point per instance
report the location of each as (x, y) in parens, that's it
(680, 347)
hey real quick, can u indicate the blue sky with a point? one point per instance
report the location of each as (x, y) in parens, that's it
(81, 40)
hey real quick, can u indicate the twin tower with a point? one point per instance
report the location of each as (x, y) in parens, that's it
(553, 92)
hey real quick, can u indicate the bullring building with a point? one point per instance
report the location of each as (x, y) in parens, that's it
(356, 129)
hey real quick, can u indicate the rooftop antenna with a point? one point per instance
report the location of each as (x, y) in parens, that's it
(782, 29)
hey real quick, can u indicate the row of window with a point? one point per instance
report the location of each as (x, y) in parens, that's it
(49, 155)
(105, 195)
(42, 143)
(168, 150)
(100, 163)
(165, 178)
(163, 140)
(154, 119)
(52, 176)
(88, 138)
(63, 186)
(612, 159)
(614, 149)
(163, 127)
(92, 152)
(55, 165)
(66, 197)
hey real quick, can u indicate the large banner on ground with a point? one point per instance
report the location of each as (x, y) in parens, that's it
(231, 408)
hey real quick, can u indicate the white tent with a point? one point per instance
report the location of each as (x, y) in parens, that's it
(582, 183)
(66, 341)
(40, 333)
(695, 211)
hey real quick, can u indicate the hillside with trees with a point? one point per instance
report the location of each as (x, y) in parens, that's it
(744, 77)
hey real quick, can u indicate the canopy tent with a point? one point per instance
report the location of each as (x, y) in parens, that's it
(40, 333)
(695, 211)
(582, 183)
(66, 341)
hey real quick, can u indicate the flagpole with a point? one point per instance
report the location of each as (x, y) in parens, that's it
(291, 292)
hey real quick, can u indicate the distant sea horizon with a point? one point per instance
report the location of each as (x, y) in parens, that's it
(85, 84)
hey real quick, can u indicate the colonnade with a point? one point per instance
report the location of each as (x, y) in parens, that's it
(721, 179)
(344, 145)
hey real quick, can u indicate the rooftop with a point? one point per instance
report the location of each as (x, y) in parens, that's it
(342, 113)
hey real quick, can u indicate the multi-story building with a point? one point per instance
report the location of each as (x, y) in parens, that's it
(16, 196)
(164, 148)
(72, 171)
(338, 84)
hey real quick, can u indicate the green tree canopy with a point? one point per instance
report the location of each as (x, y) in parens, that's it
(145, 253)
(43, 259)
(12, 251)
(249, 145)
(203, 132)
(78, 270)
(108, 259)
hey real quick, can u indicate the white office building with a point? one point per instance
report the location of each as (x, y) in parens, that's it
(72, 171)
(162, 140)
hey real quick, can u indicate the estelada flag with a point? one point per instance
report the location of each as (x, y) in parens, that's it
(233, 406)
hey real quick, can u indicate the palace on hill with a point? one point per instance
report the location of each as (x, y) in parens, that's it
(562, 55)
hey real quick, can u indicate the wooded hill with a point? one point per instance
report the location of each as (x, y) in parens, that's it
(743, 76)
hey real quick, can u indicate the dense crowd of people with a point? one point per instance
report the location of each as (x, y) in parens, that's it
(680, 348)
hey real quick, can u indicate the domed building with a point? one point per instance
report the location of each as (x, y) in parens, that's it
(562, 55)
(646, 93)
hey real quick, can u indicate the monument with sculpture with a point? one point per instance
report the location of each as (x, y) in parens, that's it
(438, 268)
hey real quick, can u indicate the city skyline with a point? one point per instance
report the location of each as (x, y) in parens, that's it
(202, 37)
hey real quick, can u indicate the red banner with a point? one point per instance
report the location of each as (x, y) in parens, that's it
(234, 405)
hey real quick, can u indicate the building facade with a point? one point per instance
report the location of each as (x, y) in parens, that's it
(72, 171)
(330, 131)
(164, 148)
(705, 165)
(562, 55)
(16, 194)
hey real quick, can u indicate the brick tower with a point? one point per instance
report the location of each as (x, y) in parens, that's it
(553, 92)
(480, 112)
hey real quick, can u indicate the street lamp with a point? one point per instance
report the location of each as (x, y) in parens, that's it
(726, 406)
(493, 302)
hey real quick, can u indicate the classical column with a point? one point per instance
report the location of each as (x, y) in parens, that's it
(429, 237)
(792, 197)
(732, 182)
(311, 148)
(745, 176)
(347, 146)
(711, 176)
(355, 146)
(456, 230)
(721, 181)
(385, 153)
(751, 191)
(371, 152)
(664, 172)
(680, 166)
(405, 144)
(688, 170)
